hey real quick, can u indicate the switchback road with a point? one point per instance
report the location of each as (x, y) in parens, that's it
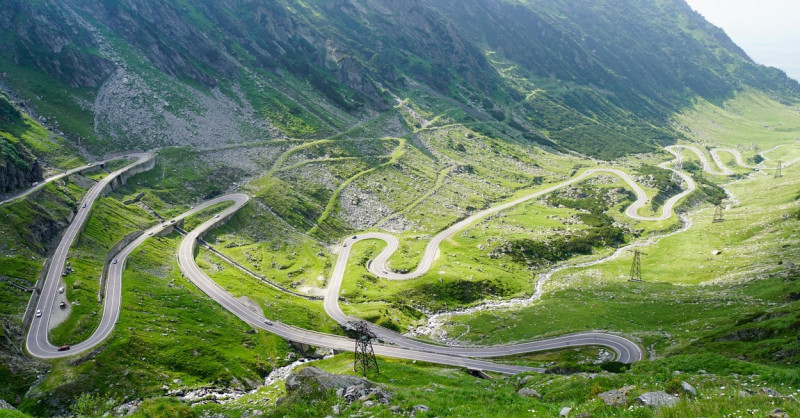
(396, 345)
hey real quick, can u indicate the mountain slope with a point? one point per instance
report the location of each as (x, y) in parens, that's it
(602, 79)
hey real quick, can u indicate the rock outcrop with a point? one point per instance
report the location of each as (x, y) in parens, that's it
(313, 379)
(616, 397)
(657, 399)
(17, 172)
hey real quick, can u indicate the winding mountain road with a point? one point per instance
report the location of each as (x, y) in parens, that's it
(394, 344)
(37, 341)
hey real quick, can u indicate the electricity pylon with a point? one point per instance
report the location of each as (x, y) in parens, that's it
(636, 267)
(364, 359)
(778, 172)
(718, 213)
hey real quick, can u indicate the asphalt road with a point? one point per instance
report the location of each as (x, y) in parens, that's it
(396, 345)
(37, 341)
(42, 183)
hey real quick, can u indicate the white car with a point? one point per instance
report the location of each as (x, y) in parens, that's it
(150, 233)
(60, 290)
(268, 322)
(38, 313)
(114, 262)
(84, 205)
(216, 216)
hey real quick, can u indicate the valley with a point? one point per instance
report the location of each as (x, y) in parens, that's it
(530, 208)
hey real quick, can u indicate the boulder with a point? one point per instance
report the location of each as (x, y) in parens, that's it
(530, 393)
(564, 411)
(689, 389)
(778, 413)
(657, 399)
(772, 393)
(616, 397)
(419, 408)
(312, 378)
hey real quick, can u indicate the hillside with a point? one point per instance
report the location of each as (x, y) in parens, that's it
(210, 73)
(553, 128)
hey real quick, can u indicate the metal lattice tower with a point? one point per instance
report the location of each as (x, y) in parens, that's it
(678, 168)
(636, 267)
(778, 172)
(718, 213)
(364, 359)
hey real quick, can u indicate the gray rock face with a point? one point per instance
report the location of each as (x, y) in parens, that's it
(657, 399)
(689, 389)
(312, 378)
(616, 397)
(14, 177)
(6, 405)
(529, 393)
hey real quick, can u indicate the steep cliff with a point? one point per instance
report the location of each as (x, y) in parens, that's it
(18, 168)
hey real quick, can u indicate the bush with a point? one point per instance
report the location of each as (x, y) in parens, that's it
(615, 367)
(596, 390)
(673, 386)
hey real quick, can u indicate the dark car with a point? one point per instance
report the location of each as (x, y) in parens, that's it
(63, 347)
(62, 305)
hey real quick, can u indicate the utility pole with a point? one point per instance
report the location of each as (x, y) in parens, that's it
(778, 172)
(636, 267)
(718, 213)
(364, 359)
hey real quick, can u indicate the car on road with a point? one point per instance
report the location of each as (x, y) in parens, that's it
(60, 290)
(114, 262)
(64, 347)
(35, 183)
(38, 313)
(344, 245)
(150, 233)
(84, 205)
(355, 236)
(216, 216)
(268, 322)
(62, 305)
(172, 221)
